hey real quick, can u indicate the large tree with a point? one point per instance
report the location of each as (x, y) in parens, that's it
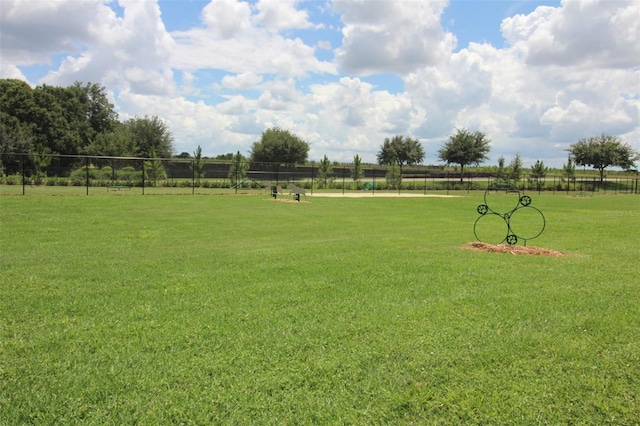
(401, 150)
(465, 148)
(603, 151)
(279, 146)
(150, 132)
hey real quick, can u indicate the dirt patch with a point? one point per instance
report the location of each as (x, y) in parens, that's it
(288, 200)
(515, 250)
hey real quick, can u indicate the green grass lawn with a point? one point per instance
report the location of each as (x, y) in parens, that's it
(244, 310)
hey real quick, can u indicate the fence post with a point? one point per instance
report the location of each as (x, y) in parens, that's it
(24, 175)
(312, 182)
(193, 177)
(86, 172)
(344, 170)
(143, 181)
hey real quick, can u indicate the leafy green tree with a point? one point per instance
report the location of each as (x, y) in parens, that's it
(603, 151)
(150, 132)
(325, 172)
(98, 110)
(465, 148)
(569, 171)
(61, 120)
(226, 157)
(538, 172)
(40, 161)
(154, 167)
(400, 150)
(118, 142)
(357, 172)
(515, 168)
(197, 165)
(279, 146)
(15, 136)
(394, 176)
(238, 168)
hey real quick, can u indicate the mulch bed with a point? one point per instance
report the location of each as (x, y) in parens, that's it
(515, 249)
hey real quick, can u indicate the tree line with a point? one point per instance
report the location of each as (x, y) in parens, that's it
(80, 120)
(74, 120)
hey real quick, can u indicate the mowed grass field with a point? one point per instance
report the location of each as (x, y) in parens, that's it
(244, 310)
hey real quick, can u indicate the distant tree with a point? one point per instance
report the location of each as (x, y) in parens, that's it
(118, 142)
(325, 172)
(279, 146)
(154, 167)
(465, 148)
(96, 106)
(603, 151)
(183, 155)
(225, 157)
(150, 132)
(15, 137)
(538, 172)
(401, 150)
(500, 173)
(40, 161)
(356, 170)
(569, 171)
(197, 165)
(394, 176)
(515, 168)
(238, 168)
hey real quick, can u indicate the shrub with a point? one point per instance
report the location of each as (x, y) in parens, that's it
(13, 179)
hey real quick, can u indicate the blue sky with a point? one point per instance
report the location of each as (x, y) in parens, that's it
(535, 76)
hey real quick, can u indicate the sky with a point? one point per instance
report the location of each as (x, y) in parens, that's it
(343, 75)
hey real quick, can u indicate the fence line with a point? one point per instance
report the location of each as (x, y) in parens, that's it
(189, 175)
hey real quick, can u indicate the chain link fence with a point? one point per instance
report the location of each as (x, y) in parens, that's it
(22, 174)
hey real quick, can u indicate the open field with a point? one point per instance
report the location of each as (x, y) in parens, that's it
(242, 310)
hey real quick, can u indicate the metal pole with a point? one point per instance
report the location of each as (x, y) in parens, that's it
(143, 177)
(24, 177)
(312, 169)
(193, 177)
(425, 181)
(344, 169)
(86, 169)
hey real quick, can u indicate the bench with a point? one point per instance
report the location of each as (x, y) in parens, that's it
(118, 187)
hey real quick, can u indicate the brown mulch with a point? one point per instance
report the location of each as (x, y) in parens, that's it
(515, 249)
(288, 200)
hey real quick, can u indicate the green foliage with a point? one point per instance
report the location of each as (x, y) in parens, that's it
(154, 168)
(325, 173)
(516, 168)
(279, 146)
(465, 148)
(603, 151)
(150, 132)
(401, 150)
(40, 161)
(197, 165)
(78, 119)
(357, 172)
(501, 172)
(238, 169)
(394, 176)
(119, 142)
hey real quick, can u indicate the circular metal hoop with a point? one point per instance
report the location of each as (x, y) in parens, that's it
(523, 202)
